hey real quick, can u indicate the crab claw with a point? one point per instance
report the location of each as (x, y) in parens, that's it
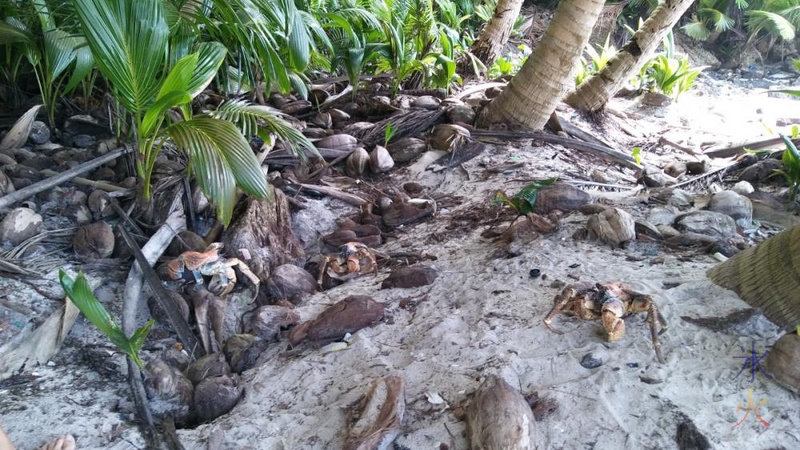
(612, 312)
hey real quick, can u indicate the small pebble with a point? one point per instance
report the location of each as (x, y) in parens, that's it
(557, 284)
(535, 273)
(590, 361)
(632, 365)
(573, 266)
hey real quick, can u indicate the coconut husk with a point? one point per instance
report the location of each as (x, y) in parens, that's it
(767, 277)
(380, 416)
(412, 123)
(262, 236)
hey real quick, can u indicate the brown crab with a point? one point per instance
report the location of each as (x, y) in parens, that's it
(611, 303)
(353, 260)
(210, 263)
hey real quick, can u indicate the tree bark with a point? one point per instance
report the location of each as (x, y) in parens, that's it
(532, 95)
(594, 93)
(494, 35)
(767, 277)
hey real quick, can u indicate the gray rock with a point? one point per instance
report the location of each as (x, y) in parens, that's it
(83, 141)
(760, 171)
(743, 188)
(654, 177)
(662, 215)
(19, 225)
(613, 226)
(734, 205)
(681, 199)
(290, 282)
(85, 124)
(590, 361)
(708, 223)
(39, 133)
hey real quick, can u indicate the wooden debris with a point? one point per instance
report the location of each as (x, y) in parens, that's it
(412, 123)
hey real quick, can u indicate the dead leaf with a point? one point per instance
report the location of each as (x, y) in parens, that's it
(18, 134)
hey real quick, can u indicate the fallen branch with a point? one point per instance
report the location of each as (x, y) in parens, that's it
(478, 88)
(664, 141)
(721, 172)
(335, 193)
(16, 196)
(588, 147)
(102, 185)
(726, 152)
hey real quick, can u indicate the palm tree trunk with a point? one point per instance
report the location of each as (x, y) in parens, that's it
(594, 93)
(532, 95)
(767, 277)
(494, 35)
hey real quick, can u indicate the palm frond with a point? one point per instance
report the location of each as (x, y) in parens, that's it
(220, 159)
(697, 30)
(758, 21)
(252, 118)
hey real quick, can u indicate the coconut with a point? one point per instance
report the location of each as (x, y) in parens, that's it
(213, 365)
(6, 187)
(338, 142)
(94, 240)
(356, 163)
(20, 225)
(216, 396)
(447, 136)
(322, 120)
(380, 160)
(783, 361)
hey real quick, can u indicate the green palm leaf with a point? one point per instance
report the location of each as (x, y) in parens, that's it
(773, 22)
(210, 58)
(84, 64)
(127, 39)
(59, 51)
(220, 159)
(697, 30)
(252, 118)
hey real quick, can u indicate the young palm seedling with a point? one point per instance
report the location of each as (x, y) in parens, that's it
(81, 294)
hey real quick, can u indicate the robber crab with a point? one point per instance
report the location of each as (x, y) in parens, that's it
(210, 263)
(611, 303)
(353, 260)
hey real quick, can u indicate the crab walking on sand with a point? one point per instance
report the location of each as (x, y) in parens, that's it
(611, 303)
(354, 259)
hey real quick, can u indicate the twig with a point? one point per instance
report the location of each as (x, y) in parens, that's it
(16, 196)
(335, 193)
(721, 172)
(725, 152)
(332, 163)
(102, 185)
(664, 141)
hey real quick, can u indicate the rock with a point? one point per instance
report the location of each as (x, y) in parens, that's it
(261, 235)
(406, 149)
(267, 321)
(761, 171)
(675, 169)
(743, 188)
(216, 396)
(83, 141)
(171, 394)
(697, 167)
(6, 186)
(654, 177)
(290, 282)
(39, 133)
(681, 199)
(242, 351)
(734, 205)
(656, 99)
(590, 361)
(613, 226)
(410, 277)
(20, 225)
(461, 114)
(662, 215)
(94, 240)
(413, 188)
(783, 362)
(708, 223)
(213, 365)
(346, 316)
(186, 241)
(562, 197)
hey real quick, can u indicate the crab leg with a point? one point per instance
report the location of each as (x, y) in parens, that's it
(564, 298)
